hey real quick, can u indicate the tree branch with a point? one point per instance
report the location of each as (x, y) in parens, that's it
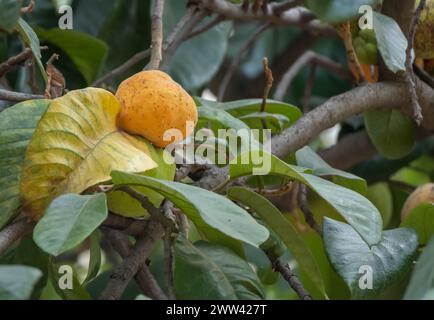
(12, 96)
(294, 17)
(309, 57)
(409, 74)
(123, 273)
(146, 281)
(157, 36)
(14, 232)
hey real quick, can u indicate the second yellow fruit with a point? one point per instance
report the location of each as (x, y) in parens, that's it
(152, 103)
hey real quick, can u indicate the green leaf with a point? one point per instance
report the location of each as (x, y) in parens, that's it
(17, 282)
(213, 214)
(242, 108)
(284, 229)
(392, 133)
(221, 117)
(31, 39)
(274, 121)
(27, 253)
(68, 221)
(421, 286)
(353, 207)
(421, 219)
(18, 124)
(213, 272)
(308, 158)
(95, 257)
(381, 196)
(9, 14)
(197, 60)
(87, 53)
(353, 258)
(391, 42)
(335, 11)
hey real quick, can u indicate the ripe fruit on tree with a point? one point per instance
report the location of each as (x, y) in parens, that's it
(423, 194)
(152, 103)
(424, 37)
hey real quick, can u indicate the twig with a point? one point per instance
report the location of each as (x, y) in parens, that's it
(169, 266)
(146, 281)
(308, 215)
(13, 62)
(283, 6)
(29, 8)
(424, 76)
(14, 232)
(124, 67)
(309, 88)
(298, 16)
(409, 75)
(18, 96)
(290, 277)
(211, 24)
(184, 27)
(123, 273)
(236, 60)
(302, 61)
(268, 84)
(157, 36)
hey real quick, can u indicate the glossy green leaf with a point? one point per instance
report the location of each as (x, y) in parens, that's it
(213, 214)
(95, 257)
(358, 263)
(421, 219)
(421, 286)
(335, 11)
(87, 53)
(308, 158)
(381, 196)
(221, 117)
(68, 221)
(31, 39)
(392, 43)
(9, 14)
(213, 272)
(246, 107)
(197, 60)
(17, 125)
(17, 282)
(353, 207)
(272, 217)
(392, 133)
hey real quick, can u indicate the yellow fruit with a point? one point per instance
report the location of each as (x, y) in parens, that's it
(424, 38)
(423, 194)
(152, 103)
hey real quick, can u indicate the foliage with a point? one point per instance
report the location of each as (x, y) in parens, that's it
(92, 189)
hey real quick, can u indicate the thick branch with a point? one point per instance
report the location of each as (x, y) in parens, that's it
(14, 232)
(146, 281)
(123, 274)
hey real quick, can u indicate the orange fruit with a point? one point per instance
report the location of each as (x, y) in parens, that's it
(152, 103)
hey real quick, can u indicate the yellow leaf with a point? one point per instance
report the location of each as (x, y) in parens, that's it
(75, 146)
